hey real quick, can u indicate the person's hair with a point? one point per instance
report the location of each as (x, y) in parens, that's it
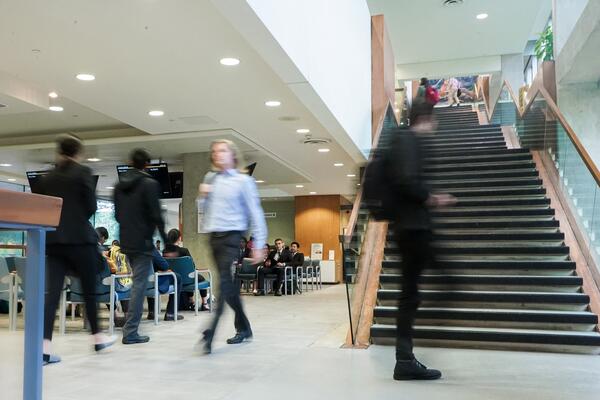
(424, 81)
(238, 158)
(295, 243)
(69, 145)
(102, 232)
(173, 236)
(157, 240)
(139, 158)
(277, 240)
(116, 243)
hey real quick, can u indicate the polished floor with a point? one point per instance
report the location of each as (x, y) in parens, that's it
(295, 355)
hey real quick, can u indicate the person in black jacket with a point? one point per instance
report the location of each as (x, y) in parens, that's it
(73, 246)
(137, 209)
(274, 264)
(412, 232)
(296, 258)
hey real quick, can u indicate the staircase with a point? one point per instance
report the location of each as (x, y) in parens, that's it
(504, 278)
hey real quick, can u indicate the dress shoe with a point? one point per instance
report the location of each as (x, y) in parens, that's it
(204, 345)
(414, 370)
(204, 307)
(259, 293)
(101, 346)
(50, 359)
(171, 317)
(135, 339)
(150, 316)
(240, 337)
(278, 293)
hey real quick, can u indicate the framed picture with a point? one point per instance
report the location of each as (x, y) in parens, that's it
(316, 251)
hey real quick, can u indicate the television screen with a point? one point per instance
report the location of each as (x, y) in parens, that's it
(34, 178)
(176, 179)
(160, 172)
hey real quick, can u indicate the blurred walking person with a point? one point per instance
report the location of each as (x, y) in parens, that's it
(137, 210)
(73, 246)
(452, 87)
(230, 206)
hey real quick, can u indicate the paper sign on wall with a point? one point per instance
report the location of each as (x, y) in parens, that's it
(316, 251)
(332, 255)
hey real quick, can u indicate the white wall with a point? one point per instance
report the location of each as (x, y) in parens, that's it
(330, 44)
(565, 15)
(442, 69)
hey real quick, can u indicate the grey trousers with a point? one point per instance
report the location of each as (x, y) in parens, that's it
(141, 266)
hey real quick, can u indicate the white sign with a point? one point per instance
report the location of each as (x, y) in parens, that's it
(270, 215)
(316, 251)
(332, 255)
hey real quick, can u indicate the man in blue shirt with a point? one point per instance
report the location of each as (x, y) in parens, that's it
(230, 206)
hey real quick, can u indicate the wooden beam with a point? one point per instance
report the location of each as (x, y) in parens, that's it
(29, 208)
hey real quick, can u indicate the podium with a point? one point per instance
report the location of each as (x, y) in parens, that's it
(35, 214)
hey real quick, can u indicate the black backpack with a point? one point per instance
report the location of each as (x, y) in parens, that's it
(376, 194)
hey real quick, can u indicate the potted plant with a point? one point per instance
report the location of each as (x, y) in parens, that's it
(544, 46)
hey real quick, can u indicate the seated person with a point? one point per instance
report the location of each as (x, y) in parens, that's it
(122, 283)
(297, 258)
(160, 264)
(274, 264)
(243, 251)
(173, 249)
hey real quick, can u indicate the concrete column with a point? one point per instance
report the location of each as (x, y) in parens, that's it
(512, 70)
(195, 166)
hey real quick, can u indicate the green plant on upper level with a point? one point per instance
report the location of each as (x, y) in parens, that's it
(544, 46)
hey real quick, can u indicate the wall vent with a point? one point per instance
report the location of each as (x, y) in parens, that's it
(452, 2)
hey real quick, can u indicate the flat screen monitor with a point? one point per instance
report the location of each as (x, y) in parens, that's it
(159, 171)
(34, 178)
(176, 179)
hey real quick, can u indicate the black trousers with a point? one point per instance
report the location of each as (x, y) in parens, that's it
(270, 271)
(415, 249)
(225, 248)
(83, 261)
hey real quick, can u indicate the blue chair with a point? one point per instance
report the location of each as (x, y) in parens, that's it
(247, 273)
(186, 268)
(304, 273)
(156, 288)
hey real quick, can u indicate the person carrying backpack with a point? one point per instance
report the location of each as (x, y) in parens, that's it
(427, 96)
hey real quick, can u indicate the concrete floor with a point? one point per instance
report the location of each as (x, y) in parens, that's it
(295, 355)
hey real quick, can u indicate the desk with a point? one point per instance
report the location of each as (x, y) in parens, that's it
(328, 271)
(35, 214)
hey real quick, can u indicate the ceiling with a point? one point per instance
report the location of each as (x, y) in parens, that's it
(425, 30)
(149, 55)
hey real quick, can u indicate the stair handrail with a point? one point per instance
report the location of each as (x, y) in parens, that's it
(539, 90)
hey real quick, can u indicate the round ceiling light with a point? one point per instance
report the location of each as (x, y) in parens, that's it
(312, 192)
(481, 16)
(53, 95)
(5, 165)
(302, 130)
(156, 113)
(94, 159)
(272, 103)
(299, 186)
(351, 175)
(324, 150)
(11, 180)
(229, 61)
(85, 77)
(338, 164)
(260, 181)
(110, 187)
(55, 108)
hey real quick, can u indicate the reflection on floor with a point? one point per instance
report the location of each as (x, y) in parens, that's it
(295, 355)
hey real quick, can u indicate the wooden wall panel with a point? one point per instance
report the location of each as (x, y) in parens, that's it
(318, 221)
(383, 71)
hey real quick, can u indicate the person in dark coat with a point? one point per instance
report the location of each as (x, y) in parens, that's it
(274, 264)
(73, 246)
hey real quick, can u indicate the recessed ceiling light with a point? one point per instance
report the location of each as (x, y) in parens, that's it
(110, 187)
(11, 179)
(229, 61)
(338, 164)
(481, 16)
(85, 77)
(55, 108)
(351, 175)
(53, 95)
(5, 165)
(303, 130)
(299, 186)
(260, 181)
(94, 159)
(156, 113)
(312, 192)
(324, 150)
(272, 103)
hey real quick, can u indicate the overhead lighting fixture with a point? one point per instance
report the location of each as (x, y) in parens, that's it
(338, 164)
(94, 159)
(5, 165)
(110, 187)
(312, 192)
(85, 77)
(351, 175)
(303, 130)
(272, 103)
(229, 61)
(55, 108)
(156, 113)
(324, 150)
(11, 179)
(481, 16)
(260, 181)
(299, 186)
(53, 95)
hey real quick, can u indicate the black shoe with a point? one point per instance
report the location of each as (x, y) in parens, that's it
(171, 317)
(50, 359)
(414, 370)
(278, 293)
(101, 346)
(204, 307)
(135, 339)
(240, 337)
(205, 344)
(150, 316)
(259, 293)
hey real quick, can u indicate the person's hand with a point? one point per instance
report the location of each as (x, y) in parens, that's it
(280, 264)
(440, 200)
(204, 189)
(258, 255)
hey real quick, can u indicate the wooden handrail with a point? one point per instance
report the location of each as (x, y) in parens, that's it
(540, 90)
